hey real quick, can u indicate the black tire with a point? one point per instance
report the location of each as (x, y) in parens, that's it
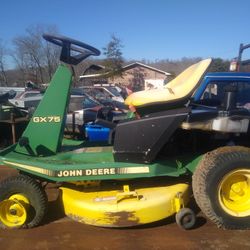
(214, 171)
(185, 218)
(33, 191)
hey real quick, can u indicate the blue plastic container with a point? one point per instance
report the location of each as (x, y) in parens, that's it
(96, 132)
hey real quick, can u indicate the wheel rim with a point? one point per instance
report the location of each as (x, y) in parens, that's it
(13, 211)
(234, 193)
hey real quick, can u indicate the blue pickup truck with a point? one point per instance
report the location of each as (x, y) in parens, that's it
(225, 98)
(218, 81)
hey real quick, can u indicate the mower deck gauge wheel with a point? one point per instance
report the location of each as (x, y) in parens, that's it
(185, 218)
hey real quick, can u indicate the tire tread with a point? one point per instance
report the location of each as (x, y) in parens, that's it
(211, 161)
(10, 186)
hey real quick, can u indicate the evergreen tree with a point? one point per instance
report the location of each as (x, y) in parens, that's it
(114, 60)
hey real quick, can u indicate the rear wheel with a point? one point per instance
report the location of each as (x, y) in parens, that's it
(221, 187)
(23, 202)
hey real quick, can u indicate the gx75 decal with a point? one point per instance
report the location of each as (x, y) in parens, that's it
(46, 119)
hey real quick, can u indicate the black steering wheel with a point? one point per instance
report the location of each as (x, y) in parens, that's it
(68, 45)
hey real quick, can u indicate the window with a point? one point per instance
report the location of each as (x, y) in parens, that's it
(114, 91)
(89, 103)
(215, 92)
(31, 94)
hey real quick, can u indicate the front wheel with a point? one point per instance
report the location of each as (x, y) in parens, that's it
(23, 202)
(221, 187)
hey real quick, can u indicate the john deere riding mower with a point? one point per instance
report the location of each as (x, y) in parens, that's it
(143, 175)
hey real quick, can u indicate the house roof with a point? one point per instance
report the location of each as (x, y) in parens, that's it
(94, 67)
(124, 68)
(135, 64)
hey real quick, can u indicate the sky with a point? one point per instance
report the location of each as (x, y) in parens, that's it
(149, 29)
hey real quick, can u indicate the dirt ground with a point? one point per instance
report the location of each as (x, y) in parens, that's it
(59, 232)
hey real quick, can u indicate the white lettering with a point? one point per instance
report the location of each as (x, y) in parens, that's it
(57, 119)
(79, 172)
(36, 119)
(88, 171)
(105, 171)
(65, 173)
(100, 171)
(46, 119)
(72, 173)
(43, 119)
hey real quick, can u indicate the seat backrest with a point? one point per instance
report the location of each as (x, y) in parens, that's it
(180, 87)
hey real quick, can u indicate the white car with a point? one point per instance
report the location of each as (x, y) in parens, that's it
(103, 92)
(27, 99)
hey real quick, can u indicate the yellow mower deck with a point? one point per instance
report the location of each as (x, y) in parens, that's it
(124, 207)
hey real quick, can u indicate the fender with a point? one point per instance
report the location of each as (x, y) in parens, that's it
(140, 140)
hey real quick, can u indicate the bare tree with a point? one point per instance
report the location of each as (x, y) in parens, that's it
(34, 56)
(52, 55)
(3, 77)
(21, 64)
(29, 47)
(51, 52)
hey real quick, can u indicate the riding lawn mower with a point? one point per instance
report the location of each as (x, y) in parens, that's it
(146, 173)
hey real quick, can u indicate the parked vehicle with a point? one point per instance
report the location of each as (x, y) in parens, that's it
(14, 90)
(176, 134)
(83, 109)
(27, 99)
(93, 97)
(12, 120)
(7, 109)
(103, 92)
